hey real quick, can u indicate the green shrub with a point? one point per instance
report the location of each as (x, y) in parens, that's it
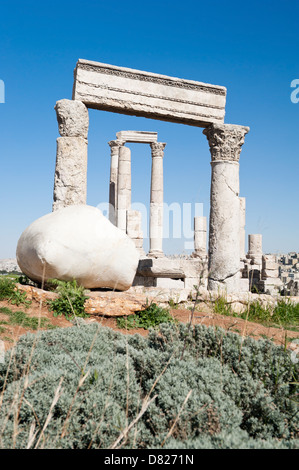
(70, 302)
(151, 317)
(7, 287)
(243, 395)
(8, 291)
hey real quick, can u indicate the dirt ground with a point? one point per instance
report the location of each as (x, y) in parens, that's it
(9, 334)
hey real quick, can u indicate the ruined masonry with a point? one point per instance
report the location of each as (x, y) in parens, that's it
(134, 92)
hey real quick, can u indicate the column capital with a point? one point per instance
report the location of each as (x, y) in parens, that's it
(73, 118)
(158, 149)
(225, 141)
(116, 143)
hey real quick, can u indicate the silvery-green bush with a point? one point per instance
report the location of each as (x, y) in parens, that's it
(243, 394)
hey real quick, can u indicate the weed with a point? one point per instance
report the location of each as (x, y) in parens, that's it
(172, 304)
(151, 317)
(285, 314)
(6, 338)
(7, 287)
(8, 291)
(22, 319)
(5, 310)
(71, 300)
(222, 307)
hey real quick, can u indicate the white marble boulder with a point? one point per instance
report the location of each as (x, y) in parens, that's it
(78, 242)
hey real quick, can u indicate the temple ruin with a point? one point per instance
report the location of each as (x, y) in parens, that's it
(133, 92)
(120, 212)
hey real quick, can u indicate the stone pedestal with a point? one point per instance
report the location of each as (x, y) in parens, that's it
(224, 236)
(123, 187)
(70, 183)
(115, 146)
(156, 202)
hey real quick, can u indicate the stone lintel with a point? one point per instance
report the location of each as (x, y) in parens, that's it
(137, 136)
(151, 95)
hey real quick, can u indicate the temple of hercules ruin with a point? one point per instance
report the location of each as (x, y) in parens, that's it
(224, 265)
(120, 190)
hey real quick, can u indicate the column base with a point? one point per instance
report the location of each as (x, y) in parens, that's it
(230, 286)
(155, 254)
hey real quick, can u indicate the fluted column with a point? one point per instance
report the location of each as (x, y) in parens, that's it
(70, 183)
(156, 205)
(225, 141)
(123, 187)
(115, 146)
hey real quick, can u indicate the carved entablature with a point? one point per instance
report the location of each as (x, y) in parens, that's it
(158, 149)
(155, 96)
(225, 141)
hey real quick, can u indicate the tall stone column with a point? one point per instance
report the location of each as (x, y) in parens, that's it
(242, 227)
(115, 146)
(156, 203)
(70, 182)
(123, 187)
(225, 141)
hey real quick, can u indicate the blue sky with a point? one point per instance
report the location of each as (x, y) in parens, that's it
(249, 47)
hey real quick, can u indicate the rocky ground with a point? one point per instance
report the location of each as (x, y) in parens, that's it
(104, 308)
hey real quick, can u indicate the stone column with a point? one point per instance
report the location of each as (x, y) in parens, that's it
(70, 183)
(156, 205)
(115, 146)
(123, 187)
(255, 248)
(225, 141)
(200, 236)
(242, 227)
